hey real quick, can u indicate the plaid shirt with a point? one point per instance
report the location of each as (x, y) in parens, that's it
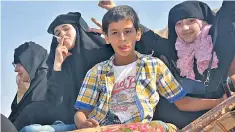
(152, 77)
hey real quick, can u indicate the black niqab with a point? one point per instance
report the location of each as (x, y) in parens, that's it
(33, 58)
(90, 49)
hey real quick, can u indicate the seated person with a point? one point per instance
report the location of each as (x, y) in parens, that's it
(128, 75)
(198, 10)
(192, 28)
(31, 68)
(123, 89)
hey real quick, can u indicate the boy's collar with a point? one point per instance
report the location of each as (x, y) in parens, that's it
(139, 58)
(139, 65)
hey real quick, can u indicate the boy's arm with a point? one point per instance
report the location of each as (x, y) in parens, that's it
(171, 90)
(87, 99)
(166, 83)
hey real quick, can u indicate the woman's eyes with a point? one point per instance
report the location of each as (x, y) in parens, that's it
(192, 20)
(178, 23)
(59, 32)
(66, 29)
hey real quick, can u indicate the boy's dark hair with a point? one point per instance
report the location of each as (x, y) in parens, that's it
(118, 13)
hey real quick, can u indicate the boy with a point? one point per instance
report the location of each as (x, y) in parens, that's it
(125, 88)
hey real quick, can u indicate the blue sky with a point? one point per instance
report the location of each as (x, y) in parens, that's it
(28, 21)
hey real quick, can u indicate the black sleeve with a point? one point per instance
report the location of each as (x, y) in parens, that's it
(227, 8)
(226, 11)
(224, 42)
(152, 43)
(168, 55)
(144, 29)
(56, 85)
(148, 42)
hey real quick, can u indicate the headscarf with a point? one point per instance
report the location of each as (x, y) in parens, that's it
(33, 58)
(221, 32)
(188, 9)
(200, 49)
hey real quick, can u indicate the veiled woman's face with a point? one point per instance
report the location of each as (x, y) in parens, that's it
(22, 73)
(67, 31)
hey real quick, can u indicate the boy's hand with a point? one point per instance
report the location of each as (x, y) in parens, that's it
(89, 123)
(106, 4)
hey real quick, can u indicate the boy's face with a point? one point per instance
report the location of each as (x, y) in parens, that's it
(122, 35)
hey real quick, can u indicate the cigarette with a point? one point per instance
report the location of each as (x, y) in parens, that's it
(60, 37)
(57, 37)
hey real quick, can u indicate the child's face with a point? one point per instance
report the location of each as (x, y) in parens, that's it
(187, 29)
(122, 35)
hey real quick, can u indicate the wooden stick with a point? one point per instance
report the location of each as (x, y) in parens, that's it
(204, 120)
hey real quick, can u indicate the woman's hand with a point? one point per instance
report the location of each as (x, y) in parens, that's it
(61, 54)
